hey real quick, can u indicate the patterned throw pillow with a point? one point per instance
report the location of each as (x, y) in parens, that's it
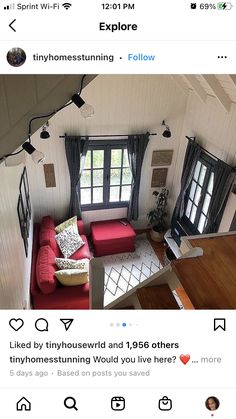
(67, 223)
(82, 264)
(69, 241)
(72, 277)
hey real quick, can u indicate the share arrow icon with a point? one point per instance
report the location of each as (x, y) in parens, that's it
(67, 323)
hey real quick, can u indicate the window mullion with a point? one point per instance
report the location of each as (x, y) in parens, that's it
(197, 185)
(203, 194)
(107, 163)
(199, 207)
(91, 176)
(121, 172)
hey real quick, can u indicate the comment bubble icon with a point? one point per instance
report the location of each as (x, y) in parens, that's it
(41, 325)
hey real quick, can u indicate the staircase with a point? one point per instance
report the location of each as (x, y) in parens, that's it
(156, 297)
(156, 292)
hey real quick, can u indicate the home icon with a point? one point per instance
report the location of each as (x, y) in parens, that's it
(23, 404)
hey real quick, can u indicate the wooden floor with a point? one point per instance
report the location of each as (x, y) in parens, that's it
(210, 280)
(159, 249)
(157, 297)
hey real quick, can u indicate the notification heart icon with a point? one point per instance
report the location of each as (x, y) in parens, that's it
(16, 324)
(184, 358)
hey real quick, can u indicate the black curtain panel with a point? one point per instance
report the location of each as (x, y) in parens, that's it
(191, 157)
(76, 149)
(223, 181)
(136, 147)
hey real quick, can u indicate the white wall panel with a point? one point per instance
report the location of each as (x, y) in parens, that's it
(131, 104)
(14, 266)
(123, 104)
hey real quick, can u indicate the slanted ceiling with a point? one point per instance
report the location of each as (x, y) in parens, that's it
(23, 97)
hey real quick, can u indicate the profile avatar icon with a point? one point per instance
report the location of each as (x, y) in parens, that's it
(212, 403)
(16, 57)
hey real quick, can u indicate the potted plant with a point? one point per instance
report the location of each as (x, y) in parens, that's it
(157, 215)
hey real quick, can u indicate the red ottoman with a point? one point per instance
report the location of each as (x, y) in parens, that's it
(111, 237)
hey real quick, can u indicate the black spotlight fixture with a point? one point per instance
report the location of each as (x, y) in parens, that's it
(86, 110)
(36, 155)
(45, 134)
(166, 133)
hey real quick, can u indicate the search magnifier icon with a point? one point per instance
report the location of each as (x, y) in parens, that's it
(70, 403)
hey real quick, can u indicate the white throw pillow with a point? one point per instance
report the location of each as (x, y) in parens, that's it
(65, 224)
(72, 277)
(69, 241)
(82, 264)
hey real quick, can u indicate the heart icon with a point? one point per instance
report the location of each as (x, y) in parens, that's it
(184, 358)
(16, 324)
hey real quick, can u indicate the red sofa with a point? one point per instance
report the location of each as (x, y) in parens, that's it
(53, 295)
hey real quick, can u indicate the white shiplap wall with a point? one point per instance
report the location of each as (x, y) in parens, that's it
(123, 104)
(14, 266)
(21, 97)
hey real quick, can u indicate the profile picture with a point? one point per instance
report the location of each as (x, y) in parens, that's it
(16, 57)
(212, 403)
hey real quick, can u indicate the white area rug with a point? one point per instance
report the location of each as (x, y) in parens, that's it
(126, 270)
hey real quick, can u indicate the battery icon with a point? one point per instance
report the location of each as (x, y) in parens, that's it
(224, 6)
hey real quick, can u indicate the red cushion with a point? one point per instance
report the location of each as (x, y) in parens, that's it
(64, 298)
(80, 225)
(35, 248)
(47, 223)
(112, 248)
(111, 229)
(47, 238)
(45, 269)
(111, 237)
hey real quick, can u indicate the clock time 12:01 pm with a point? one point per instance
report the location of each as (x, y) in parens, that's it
(118, 6)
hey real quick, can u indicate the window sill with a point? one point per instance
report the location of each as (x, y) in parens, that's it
(104, 207)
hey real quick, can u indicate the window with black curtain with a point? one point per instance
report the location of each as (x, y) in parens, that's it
(106, 178)
(198, 196)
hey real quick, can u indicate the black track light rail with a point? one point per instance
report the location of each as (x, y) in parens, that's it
(40, 117)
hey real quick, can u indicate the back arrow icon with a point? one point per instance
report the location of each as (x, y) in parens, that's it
(10, 25)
